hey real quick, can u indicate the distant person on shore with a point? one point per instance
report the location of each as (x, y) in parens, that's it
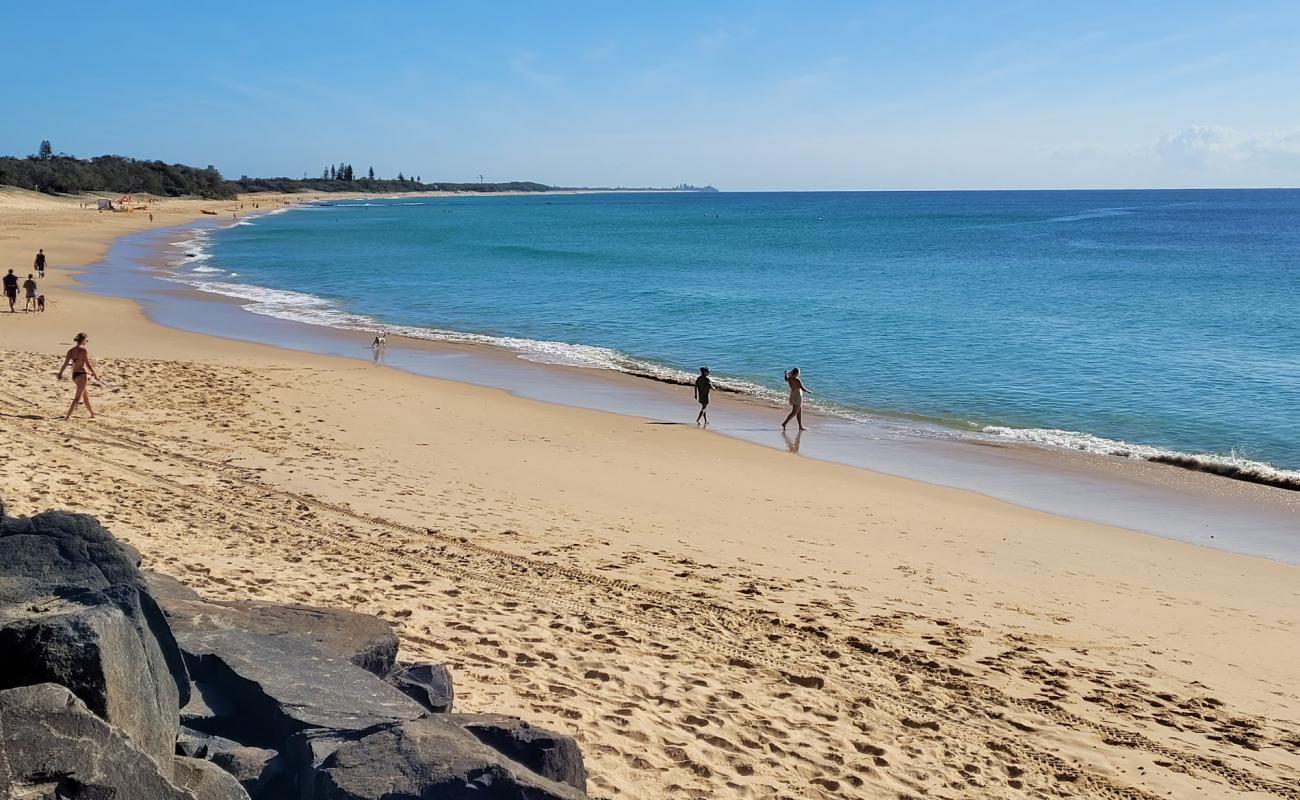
(29, 294)
(702, 388)
(797, 390)
(82, 370)
(39, 263)
(11, 290)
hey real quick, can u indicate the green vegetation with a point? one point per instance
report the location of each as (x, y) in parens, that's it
(65, 174)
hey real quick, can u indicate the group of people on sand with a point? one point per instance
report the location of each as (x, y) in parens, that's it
(33, 300)
(704, 384)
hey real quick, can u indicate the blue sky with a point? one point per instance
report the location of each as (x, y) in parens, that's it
(760, 95)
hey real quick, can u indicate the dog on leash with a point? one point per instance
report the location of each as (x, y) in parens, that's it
(40, 302)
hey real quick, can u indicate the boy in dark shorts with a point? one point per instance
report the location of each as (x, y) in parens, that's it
(40, 263)
(702, 388)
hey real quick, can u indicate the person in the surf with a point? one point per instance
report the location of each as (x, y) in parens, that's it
(797, 391)
(702, 388)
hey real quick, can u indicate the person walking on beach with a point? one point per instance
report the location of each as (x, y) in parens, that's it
(702, 388)
(11, 289)
(39, 263)
(29, 294)
(82, 370)
(797, 390)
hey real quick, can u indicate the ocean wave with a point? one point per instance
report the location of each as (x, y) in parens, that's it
(315, 310)
(1229, 466)
(1100, 213)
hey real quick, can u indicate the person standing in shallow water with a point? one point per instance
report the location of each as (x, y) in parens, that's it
(82, 370)
(702, 388)
(797, 391)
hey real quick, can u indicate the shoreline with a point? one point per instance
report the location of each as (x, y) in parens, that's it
(708, 617)
(1143, 495)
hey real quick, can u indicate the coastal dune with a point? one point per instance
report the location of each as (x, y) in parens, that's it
(709, 618)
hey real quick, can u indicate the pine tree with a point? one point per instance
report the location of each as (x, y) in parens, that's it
(324, 174)
(46, 151)
(400, 178)
(372, 173)
(333, 174)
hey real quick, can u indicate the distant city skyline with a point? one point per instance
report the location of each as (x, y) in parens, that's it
(743, 96)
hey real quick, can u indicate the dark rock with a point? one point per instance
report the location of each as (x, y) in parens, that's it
(53, 746)
(428, 684)
(419, 759)
(549, 754)
(206, 781)
(196, 744)
(73, 611)
(260, 689)
(367, 641)
(261, 772)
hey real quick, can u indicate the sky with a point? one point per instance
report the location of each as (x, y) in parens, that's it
(742, 95)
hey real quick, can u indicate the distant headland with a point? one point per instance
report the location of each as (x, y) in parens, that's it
(60, 173)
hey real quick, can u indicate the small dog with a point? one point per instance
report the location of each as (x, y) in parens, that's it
(40, 303)
(380, 342)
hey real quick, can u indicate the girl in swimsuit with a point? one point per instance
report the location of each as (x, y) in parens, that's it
(79, 358)
(797, 390)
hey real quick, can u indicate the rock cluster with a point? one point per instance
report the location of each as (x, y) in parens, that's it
(119, 683)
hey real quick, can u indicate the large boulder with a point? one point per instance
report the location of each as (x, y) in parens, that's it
(549, 754)
(425, 683)
(73, 611)
(422, 759)
(259, 689)
(365, 640)
(53, 746)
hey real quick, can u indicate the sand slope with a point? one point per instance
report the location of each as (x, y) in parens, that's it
(710, 618)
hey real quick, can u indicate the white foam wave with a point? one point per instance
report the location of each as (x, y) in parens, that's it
(1231, 465)
(315, 310)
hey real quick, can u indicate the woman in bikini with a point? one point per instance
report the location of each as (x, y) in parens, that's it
(797, 390)
(82, 368)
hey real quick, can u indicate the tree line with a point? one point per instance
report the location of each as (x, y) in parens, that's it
(64, 174)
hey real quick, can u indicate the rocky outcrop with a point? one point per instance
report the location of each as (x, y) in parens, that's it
(431, 757)
(427, 684)
(106, 692)
(53, 746)
(364, 640)
(549, 754)
(73, 611)
(262, 689)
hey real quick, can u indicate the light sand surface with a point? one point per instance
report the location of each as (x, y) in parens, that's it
(710, 618)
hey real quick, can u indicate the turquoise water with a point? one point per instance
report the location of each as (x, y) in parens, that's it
(1143, 323)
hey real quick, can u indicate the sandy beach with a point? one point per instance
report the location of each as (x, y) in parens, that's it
(709, 617)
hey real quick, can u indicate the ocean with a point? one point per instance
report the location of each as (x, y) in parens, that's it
(1162, 325)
